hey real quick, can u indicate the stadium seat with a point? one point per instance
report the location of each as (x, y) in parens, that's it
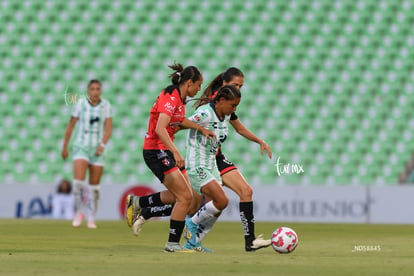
(326, 82)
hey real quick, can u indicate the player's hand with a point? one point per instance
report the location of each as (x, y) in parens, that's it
(208, 133)
(64, 153)
(179, 160)
(99, 151)
(265, 147)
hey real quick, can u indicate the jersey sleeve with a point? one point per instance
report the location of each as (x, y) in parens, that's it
(107, 110)
(77, 109)
(167, 104)
(201, 117)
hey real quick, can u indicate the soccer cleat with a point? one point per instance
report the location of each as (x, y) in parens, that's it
(77, 221)
(258, 243)
(198, 248)
(133, 208)
(190, 231)
(172, 247)
(138, 224)
(91, 224)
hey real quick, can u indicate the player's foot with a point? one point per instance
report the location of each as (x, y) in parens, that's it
(91, 223)
(133, 208)
(258, 243)
(138, 224)
(198, 248)
(77, 221)
(176, 247)
(190, 231)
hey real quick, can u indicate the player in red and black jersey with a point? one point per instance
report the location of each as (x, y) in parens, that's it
(162, 156)
(231, 176)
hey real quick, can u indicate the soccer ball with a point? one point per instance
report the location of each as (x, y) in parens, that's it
(284, 240)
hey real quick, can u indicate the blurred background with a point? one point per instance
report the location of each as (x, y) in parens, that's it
(328, 84)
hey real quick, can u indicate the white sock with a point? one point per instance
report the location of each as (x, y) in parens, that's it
(78, 191)
(93, 199)
(204, 228)
(207, 211)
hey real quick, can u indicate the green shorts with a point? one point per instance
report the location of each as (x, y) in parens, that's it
(88, 154)
(201, 176)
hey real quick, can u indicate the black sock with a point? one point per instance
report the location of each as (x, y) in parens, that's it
(157, 211)
(176, 229)
(247, 219)
(151, 200)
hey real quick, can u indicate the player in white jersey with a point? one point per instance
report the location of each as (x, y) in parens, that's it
(94, 116)
(201, 159)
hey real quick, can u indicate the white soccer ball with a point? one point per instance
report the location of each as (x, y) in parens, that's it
(284, 240)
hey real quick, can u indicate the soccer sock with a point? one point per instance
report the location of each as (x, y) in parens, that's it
(157, 211)
(247, 219)
(176, 229)
(78, 192)
(204, 228)
(151, 200)
(206, 211)
(94, 194)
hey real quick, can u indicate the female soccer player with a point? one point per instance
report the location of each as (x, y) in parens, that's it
(94, 130)
(231, 176)
(162, 156)
(201, 160)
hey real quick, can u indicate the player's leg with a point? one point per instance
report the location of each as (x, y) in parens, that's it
(95, 174)
(178, 186)
(162, 211)
(235, 181)
(205, 182)
(80, 167)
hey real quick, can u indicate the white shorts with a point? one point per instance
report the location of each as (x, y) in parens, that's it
(201, 176)
(88, 154)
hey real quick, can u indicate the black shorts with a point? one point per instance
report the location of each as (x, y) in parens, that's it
(161, 162)
(223, 164)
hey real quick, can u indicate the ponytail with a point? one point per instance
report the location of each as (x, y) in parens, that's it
(216, 83)
(182, 74)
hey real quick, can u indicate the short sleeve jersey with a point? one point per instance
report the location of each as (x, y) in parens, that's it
(168, 102)
(200, 151)
(91, 122)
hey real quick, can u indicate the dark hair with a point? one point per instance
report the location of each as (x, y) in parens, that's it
(61, 190)
(216, 83)
(94, 81)
(228, 92)
(182, 74)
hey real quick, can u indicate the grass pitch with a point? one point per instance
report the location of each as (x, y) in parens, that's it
(49, 247)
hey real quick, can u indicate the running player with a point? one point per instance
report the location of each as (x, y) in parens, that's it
(162, 156)
(94, 130)
(231, 176)
(201, 160)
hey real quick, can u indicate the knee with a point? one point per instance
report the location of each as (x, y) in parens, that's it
(246, 194)
(186, 198)
(222, 203)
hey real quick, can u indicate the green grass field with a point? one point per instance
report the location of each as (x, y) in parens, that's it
(47, 247)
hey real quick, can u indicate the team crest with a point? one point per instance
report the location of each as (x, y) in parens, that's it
(165, 162)
(201, 173)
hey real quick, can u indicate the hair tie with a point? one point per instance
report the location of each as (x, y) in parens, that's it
(179, 76)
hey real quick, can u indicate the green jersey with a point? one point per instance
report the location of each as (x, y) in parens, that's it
(91, 121)
(200, 151)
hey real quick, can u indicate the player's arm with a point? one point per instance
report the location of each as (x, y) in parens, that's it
(107, 135)
(186, 123)
(162, 133)
(68, 134)
(245, 132)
